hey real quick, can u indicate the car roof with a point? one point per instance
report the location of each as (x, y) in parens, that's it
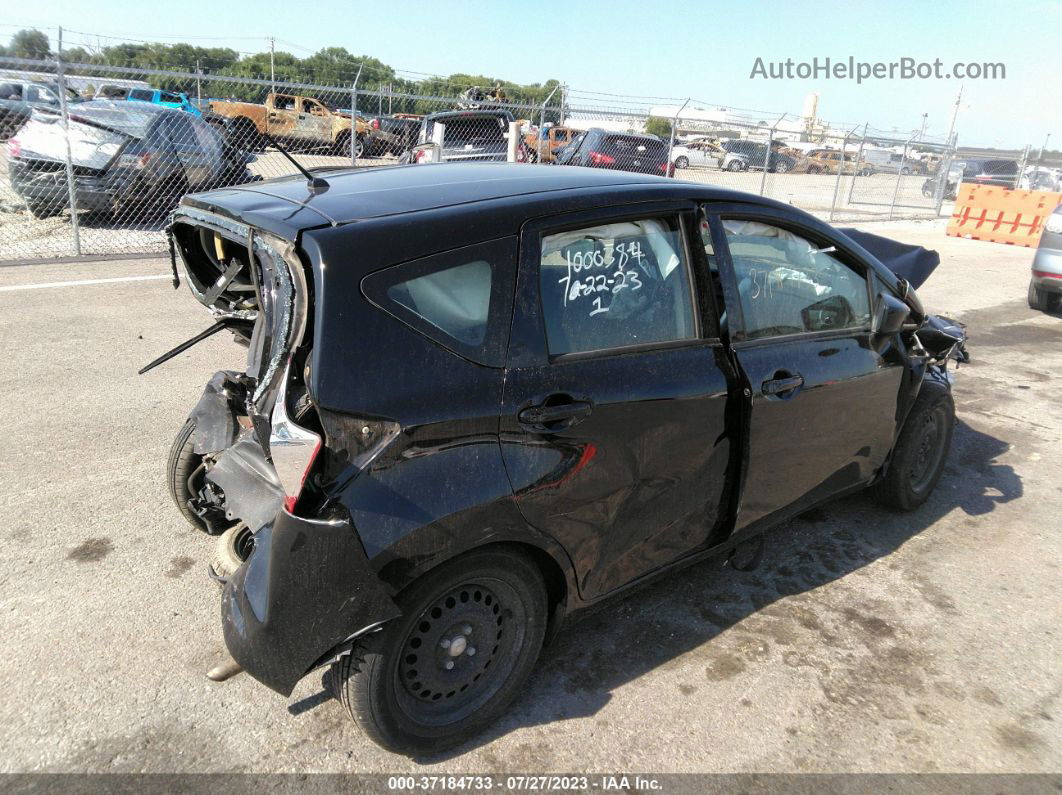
(285, 206)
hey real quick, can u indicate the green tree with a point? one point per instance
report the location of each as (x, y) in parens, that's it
(30, 44)
(658, 126)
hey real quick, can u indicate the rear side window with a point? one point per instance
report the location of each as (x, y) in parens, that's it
(616, 285)
(141, 94)
(461, 299)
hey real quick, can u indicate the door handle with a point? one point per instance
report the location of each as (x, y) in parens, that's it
(558, 417)
(780, 386)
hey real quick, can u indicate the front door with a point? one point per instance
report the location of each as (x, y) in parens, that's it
(823, 400)
(314, 124)
(613, 419)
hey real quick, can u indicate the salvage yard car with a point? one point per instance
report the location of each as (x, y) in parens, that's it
(304, 122)
(482, 398)
(598, 148)
(124, 154)
(1045, 286)
(468, 135)
(18, 98)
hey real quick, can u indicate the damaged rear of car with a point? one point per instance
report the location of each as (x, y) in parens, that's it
(243, 462)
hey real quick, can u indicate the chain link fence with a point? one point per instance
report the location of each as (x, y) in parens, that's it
(121, 145)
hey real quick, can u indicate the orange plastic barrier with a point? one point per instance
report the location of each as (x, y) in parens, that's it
(1015, 217)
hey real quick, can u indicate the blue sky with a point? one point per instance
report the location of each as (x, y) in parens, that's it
(704, 50)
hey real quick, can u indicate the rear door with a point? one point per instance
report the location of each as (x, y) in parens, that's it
(822, 400)
(613, 426)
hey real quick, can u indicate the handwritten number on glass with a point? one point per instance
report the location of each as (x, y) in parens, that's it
(580, 284)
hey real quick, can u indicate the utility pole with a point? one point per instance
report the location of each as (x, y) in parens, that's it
(954, 114)
(925, 119)
(1040, 159)
(198, 88)
(272, 67)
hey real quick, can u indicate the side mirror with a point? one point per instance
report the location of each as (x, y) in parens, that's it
(890, 313)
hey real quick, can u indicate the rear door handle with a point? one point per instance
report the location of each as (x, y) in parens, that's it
(779, 386)
(555, 418)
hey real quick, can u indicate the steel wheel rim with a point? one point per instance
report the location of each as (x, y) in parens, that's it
(929, 450)
(460, 651)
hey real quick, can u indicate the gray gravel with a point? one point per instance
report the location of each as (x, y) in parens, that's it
(867, 641)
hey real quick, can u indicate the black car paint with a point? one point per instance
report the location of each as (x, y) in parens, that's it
(468, 473)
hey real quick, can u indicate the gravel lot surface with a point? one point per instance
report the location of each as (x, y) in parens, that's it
(867, 641)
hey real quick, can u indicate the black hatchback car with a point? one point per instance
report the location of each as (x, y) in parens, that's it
(597, 148)
(480, 399)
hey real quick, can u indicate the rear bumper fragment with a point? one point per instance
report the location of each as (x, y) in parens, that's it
(305, 589)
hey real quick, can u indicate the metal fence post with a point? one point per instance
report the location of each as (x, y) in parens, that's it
(767, 153)
(899, 174)
(541, 124)
(859, 159)
(943, 170)
(840, 170)
(71, 188)
(671, 146)
(1021, 167)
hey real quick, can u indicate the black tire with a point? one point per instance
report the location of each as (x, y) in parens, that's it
(495, 599)
(781, 167)
(1043, 301)
(359, 146)
(905, 171)
(181, 465)
(921, 451)
(41, 210)
(735, 165)
(866, 172)
(682, 162)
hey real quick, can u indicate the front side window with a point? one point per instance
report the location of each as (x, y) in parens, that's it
(616, 285)
(788, 285)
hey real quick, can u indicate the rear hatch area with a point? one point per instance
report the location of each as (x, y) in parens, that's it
(257, 430)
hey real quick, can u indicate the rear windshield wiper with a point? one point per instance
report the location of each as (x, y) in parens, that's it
(202, 335)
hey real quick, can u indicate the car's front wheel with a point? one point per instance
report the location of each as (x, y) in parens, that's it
(682, 162)
(921, 451)
(735, 165)
(469, 636)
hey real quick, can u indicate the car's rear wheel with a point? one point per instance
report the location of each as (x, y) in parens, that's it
(781, 167)
(469, 636)
(185, 474)
(921, 451)
(735, 165)
(682, 162)
(1043, 301)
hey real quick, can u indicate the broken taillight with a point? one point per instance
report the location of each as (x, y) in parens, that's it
(599, 159)
(375, 124)
(292, 448)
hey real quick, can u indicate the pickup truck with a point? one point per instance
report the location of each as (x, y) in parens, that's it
(302, 121)
(545, 142)
(167, 99)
